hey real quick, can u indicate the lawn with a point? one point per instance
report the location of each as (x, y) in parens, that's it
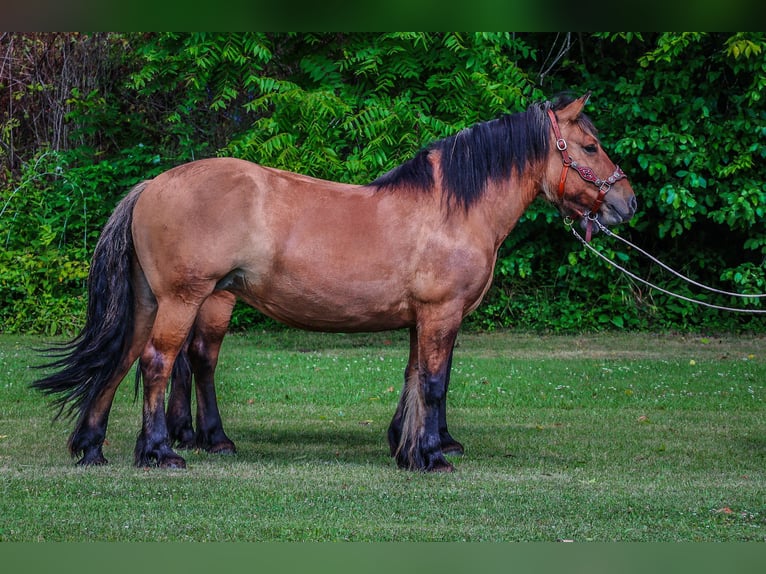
(608, 437)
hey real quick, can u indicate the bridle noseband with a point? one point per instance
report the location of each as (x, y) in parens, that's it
(586, 173)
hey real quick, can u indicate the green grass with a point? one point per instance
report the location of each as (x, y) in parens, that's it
(607, 437)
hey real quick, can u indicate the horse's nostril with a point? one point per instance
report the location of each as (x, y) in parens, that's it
(633, 203)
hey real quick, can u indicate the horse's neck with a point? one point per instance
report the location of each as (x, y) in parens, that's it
(505, 202)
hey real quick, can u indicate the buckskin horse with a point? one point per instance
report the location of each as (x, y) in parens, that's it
(415, 249)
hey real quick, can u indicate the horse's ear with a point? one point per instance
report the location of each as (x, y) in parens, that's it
(570, 112)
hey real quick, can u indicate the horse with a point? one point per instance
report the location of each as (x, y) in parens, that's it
(415, 248)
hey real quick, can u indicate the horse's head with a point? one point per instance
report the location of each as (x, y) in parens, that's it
(598, 189)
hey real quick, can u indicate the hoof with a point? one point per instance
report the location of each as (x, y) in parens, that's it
(222, 448)
(172, 462)
(432, 462)
(452, 447)
(92, 460)
(161, 456)
(162, 462)
(215, 442)
(444, 466)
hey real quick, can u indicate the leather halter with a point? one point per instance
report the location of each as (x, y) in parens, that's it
(586, 173)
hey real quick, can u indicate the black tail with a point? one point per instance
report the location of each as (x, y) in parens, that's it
(88, 362)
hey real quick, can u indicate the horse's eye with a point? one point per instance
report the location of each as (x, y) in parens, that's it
(591, 148)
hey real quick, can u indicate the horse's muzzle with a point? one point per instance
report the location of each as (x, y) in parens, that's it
(615, 211)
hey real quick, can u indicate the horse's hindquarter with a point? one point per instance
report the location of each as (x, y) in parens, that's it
(307, 252)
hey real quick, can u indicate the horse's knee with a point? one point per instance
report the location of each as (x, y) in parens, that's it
(434, 390)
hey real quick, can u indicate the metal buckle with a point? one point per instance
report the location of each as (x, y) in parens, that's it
(561, 144)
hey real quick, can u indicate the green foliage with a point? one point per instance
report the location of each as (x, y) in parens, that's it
(357, 106)
(42, 284)
(49, 226)
(682, 113)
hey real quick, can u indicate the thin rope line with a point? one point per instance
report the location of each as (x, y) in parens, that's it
(608, 232)
(653, 286)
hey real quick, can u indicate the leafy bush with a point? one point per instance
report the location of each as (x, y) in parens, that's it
(49, 225)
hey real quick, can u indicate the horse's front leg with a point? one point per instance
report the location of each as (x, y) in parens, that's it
(395, 428)
(448, 444)
(420, 443)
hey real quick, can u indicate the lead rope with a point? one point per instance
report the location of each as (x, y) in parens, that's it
(617, 266)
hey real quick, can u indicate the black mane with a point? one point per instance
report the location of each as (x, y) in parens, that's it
(488, 151)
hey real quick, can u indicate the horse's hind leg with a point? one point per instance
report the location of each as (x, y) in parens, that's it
(209, 330)
(171, 326)
(199, 356)
(88, 436)
(178, 413)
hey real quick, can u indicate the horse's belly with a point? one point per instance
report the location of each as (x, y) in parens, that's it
(339, 307)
